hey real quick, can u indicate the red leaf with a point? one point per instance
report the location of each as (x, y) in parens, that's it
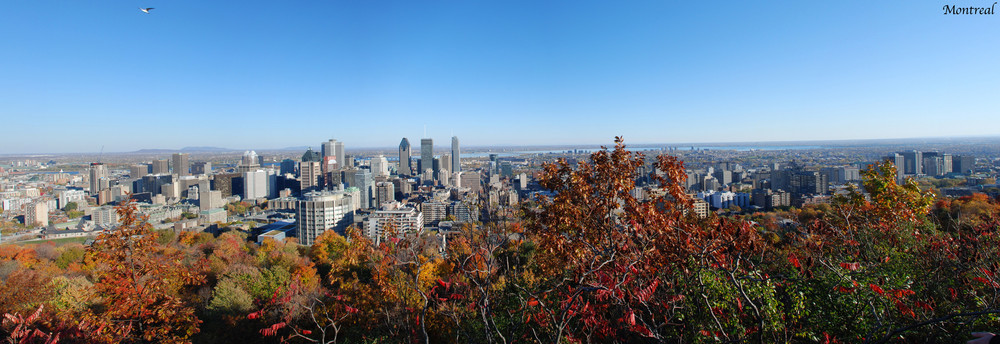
(794, 260)
(905, 310)
(877, 289)
(985, 281)
(850, 266)
(925, 306)
(844, 290)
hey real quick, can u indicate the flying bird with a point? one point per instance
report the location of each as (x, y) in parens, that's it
(145, 10)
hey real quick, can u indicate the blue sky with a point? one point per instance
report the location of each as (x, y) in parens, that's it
(79, 74)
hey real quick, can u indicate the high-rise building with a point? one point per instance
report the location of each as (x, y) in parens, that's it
(209, 199)
(808, 183)
(471, 180)
(105, 216)
(182, 166)
(161, 166)
(152, 183)
(403, 186)
(287, 167)
(444, 163)
(137, 171)
(328, 149)
(320, 211)
(461, 211)
(68, 196)
(506, 169)
(202, 167)
(933, 165)
(36, 214)
(309, 174)
(899, 160)
(311, 155)
(384, 192)
(434, 212)
(963, 164)
(947, 161)
(456, 160)
(404, 158)
(380, 166)
(258, 184)
(405, 220)
(249, 162)
(363, 181)
(426, 154)
(343, 161)
(333, 151)
(98, 171)
(913, 161)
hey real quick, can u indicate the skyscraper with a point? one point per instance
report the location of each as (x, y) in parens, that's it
(328, 148)
(137, 171)
(963, 164)
(363, 181)
(444, 163)
(309, 173)
(426, 154)
(914, 162)
(161, 166)
(380, 166)
(259, 184)
(182, 167)
(287, 166)
(404, 158)
(900, 161)
(249, 162)
(97, 172)
(204, 167)
(342, 162)
(456, 160)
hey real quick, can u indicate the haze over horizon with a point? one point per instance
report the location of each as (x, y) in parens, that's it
(85, 74)
(481, 148)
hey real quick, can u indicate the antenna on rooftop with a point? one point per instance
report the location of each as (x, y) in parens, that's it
(425, 131)
(99, 155)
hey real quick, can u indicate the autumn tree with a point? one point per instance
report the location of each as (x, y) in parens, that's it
(142, 285)
(617, 269)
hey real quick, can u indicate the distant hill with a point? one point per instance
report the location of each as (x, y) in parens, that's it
(299, 148)
(206, 149)
(185, 149)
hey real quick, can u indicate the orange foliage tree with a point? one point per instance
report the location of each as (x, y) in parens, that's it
(142, 285)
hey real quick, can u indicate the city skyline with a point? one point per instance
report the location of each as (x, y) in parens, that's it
(79, 76)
